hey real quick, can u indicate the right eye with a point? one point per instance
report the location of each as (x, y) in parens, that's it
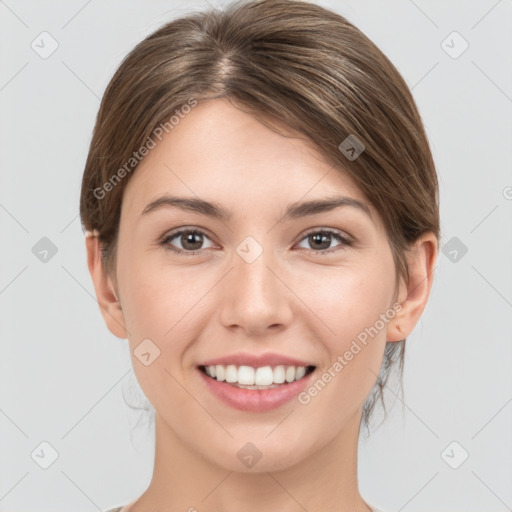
(188, 239)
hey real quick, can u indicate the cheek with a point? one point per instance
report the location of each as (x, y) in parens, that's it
(150, 292)
(165, 304)
(348, 300)
(349, 303)
(158, 309)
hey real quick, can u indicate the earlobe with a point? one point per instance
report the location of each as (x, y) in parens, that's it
(413, 296)
(105, 293)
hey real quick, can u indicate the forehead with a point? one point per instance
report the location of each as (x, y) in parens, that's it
(220, 152)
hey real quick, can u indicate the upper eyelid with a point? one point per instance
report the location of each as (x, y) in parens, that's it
(333, 231)
(204, 231)
(179, 231)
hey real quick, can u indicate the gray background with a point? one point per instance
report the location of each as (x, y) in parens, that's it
(63, 375)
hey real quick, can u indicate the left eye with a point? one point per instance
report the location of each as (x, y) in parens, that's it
(323, 239)
(191, 241)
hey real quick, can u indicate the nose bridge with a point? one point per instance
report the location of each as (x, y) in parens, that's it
(252, 278)
(253, 275)
(254, 296)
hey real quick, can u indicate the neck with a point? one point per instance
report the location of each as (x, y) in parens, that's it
(185, 480)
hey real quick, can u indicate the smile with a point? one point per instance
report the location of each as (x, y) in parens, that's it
(255, 389)
(263, 377)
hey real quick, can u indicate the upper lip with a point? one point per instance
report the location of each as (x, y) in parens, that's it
(256, 360)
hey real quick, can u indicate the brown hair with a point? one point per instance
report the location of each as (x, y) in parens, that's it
(291, 61)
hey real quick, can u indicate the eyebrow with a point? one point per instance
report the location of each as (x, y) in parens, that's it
(293, 211)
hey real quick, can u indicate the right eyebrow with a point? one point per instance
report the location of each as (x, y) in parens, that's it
(192, 204)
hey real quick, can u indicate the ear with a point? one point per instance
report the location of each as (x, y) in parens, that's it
(108, 302)
(413, 296)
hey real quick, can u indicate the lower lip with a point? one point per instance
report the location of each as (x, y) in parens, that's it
(255, 400)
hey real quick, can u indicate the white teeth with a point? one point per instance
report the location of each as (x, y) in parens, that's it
(246, 375)
(220, 371)
(255, 378)
(279, 373)
(290, 374)
(301, 371)
(264, 376)
(231, 373)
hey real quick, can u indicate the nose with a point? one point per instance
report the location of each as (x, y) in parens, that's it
(255, 297)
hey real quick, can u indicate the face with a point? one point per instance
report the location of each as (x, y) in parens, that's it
(255, 288)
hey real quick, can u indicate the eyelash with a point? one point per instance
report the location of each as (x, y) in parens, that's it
(166, 240)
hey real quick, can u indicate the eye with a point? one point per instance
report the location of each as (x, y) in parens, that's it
(189, 239)
(322, 240)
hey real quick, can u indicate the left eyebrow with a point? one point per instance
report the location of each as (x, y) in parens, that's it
(297, 210)
(293, 211)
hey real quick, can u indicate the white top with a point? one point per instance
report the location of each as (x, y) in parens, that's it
(374, 509)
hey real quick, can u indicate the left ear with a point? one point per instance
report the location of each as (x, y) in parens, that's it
(413, 296)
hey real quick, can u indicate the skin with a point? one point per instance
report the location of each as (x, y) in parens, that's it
(290, 300)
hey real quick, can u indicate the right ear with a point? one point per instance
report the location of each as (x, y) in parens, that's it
(108, 302)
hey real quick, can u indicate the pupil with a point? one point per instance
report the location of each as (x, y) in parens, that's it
(189, 238)
(318, 238)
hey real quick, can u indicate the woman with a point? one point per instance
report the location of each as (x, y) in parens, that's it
(262, 217)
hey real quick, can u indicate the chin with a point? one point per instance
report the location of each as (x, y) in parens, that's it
(255, 454)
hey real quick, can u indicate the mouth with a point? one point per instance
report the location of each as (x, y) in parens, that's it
(256, 378)
(256, 383)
